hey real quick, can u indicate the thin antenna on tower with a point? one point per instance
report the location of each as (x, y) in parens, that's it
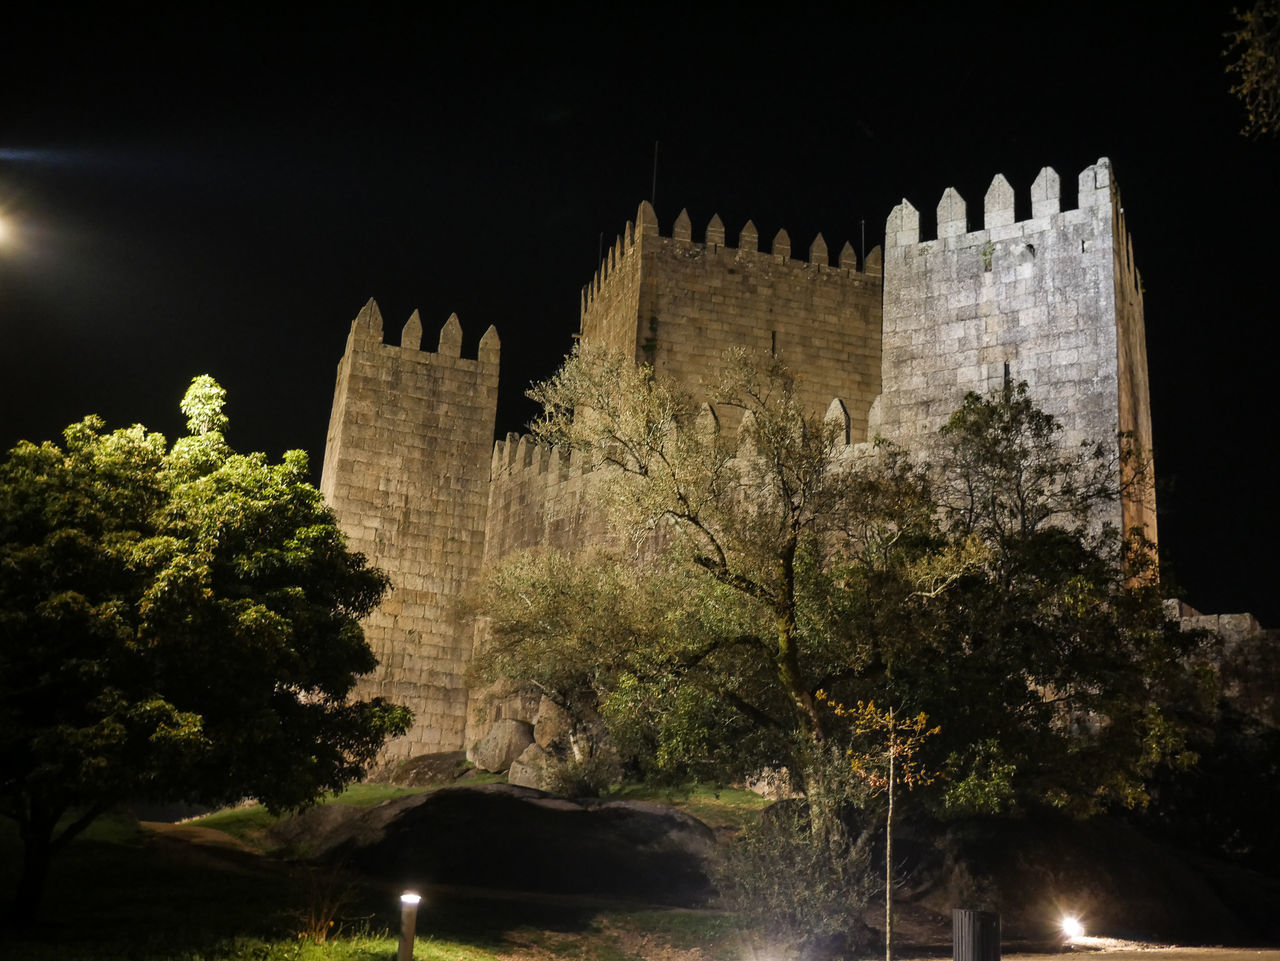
(653, 192)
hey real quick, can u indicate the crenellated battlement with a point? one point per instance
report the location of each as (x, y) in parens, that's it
(539, 496)
(522, 454)
(406, 471)
(623, 251)
(1096, 188)
(679, 303)
(367, 334)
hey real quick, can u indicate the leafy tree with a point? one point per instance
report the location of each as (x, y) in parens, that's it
(175, 623)
(772, 565)
(754, 568)
(1255, 49)
(1050, 665)
(749, 525)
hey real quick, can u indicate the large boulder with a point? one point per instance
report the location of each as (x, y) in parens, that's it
(552, 725)
(530, 768)
(504, 742)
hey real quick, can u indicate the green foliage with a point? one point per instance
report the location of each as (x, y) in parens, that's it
(1057, 677)
(1255, 66)
(801, 895)
(1005, 475)
(734, 607)
(982, 589)
(1224, 806)
(980, 782)
(588, 776)
(175, 624)
(203, 404)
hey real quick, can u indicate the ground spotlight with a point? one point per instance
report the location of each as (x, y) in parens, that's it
(408, 924)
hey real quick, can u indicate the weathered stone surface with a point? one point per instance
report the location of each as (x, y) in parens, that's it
(406, 471)
(530, 768)
(501, 745)
(1054, 301)
(551, 727)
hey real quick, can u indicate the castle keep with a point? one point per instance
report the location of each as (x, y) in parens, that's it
(890, 346)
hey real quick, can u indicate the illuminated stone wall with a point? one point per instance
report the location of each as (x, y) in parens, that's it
(1054, 301)
(406, 471)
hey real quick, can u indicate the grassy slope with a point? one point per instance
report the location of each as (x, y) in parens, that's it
(124, 891)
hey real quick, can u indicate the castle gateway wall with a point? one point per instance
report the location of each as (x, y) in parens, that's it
(680, 305)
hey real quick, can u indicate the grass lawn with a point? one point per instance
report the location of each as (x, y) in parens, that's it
(725, 809)
(249, 822)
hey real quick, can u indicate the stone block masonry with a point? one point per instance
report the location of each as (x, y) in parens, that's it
(1054, 301)
(680, 305)
(406, 470)
(418, 484)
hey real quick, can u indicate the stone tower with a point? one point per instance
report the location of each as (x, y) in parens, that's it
(680, 305)
(406, 470)
(1054, 301)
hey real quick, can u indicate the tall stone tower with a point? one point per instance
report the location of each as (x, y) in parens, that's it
(1054, 301)
(406, 470)
(680, 305)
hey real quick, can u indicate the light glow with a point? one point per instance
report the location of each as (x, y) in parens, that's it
(1072, 928)
(410, 897)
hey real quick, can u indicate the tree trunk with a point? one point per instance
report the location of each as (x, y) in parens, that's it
(41, 840)
(37, 853)
(888, 854)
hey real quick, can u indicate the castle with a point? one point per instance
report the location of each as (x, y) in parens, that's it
(889, 347)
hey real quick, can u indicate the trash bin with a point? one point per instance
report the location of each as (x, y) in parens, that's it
(975, 935)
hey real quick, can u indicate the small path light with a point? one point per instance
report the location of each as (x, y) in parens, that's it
(408, 924)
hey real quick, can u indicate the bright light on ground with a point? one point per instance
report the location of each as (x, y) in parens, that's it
(1072, 928)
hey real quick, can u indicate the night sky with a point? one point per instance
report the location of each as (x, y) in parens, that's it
(209, 192)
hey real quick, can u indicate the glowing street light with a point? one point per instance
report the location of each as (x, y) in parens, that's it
(408, 924)
(1072, 928)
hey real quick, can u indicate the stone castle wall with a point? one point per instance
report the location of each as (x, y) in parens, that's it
(418, 484)
(406, 470)
(680, 305)
(1139, 501)
(1053, 300)
(539, 497)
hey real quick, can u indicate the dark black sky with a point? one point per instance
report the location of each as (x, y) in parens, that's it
(220, 192)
